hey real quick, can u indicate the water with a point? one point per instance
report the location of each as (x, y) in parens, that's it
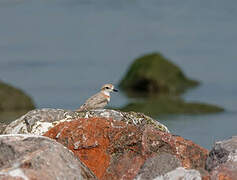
(61, 51)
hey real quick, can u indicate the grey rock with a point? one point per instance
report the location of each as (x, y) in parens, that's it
(37, 157)
(157, 166)
(40, 121)
(181, 173)
(222, 152)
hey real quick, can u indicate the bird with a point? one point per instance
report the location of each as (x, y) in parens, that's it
(99, 100)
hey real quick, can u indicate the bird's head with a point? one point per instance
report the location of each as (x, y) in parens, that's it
(109, 88)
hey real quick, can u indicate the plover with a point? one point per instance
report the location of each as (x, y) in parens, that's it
(99, 100)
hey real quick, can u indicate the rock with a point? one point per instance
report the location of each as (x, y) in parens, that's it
(222, 160)
(115, 149)
(2, 127)
(222, 152)
(13, 99)
(170, 105)
(153, 73)
(159, 82)
(157, 166)
(40, 121)
(181, 173)
(226, 171)
(26, 157)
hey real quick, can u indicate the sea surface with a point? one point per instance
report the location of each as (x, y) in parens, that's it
(61, 51)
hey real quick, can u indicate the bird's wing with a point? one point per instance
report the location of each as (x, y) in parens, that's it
(94, 102)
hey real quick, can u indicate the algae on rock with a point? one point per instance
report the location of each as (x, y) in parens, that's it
(154, 74)
(160, 82)
(13, 99)
(170, 105)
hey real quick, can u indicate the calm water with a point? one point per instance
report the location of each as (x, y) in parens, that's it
(61, 51)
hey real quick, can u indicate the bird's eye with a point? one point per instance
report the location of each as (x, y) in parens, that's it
(106, 87)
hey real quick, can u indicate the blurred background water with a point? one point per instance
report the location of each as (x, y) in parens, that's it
(61, 51)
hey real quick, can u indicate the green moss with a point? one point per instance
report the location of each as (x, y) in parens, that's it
(154, 73)
(13, 99)
(170, 105)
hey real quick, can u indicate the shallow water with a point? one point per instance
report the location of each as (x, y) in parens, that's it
(61, 51)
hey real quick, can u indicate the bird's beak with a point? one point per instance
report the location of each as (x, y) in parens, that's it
(115, 90)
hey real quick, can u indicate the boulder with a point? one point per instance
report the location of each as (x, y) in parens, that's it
(115, 149)
(160, 82)
(39, 121)
(154, 74)
(35, 157)
(14, 99)
(222, 160)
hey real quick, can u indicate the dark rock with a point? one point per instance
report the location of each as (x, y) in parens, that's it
(36, 157)
(153, 73)
(13, 99)
(222, 160)
(115, 149)
(222, 152)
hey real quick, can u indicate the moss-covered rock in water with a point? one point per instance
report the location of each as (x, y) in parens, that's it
(13, 99)
(153, 73)
(170, 105)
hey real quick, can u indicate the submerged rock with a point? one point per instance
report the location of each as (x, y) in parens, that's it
(13, 99)
(170, 105)
(39, 121)
(115, 149)
(153, 73)
(36, 157)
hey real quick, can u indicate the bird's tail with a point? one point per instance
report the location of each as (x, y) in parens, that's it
(82, 108)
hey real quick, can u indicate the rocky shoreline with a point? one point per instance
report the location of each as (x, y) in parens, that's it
(106, 144)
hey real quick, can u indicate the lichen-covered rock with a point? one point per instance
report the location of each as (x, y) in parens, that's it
(153, 73)
(115, 149)
(13, 99)
(26, 157)
(222, 160)
(40, 121)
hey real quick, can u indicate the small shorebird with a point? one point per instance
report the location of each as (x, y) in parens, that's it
(99, 100)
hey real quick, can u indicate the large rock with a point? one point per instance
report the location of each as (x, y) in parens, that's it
(153, 73)
(222, 160)
(115, 149)
(13, 99)
(40, 121)
(26, 157)
(160, 83)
